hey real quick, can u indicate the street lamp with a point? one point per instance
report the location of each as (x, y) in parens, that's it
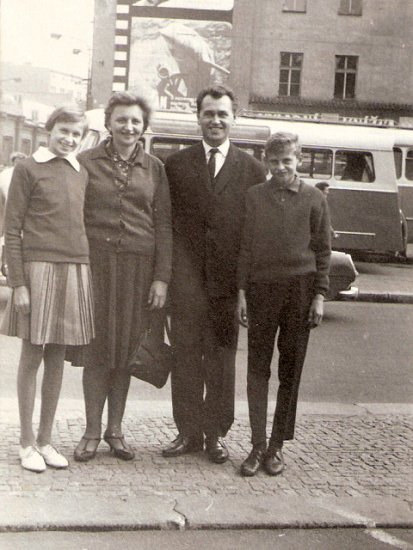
(76, 51)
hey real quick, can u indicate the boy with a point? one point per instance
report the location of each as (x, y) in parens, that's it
(282, 280)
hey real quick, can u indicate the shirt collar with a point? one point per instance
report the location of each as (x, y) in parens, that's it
(223, 148)
(44, 155)
(294, 186)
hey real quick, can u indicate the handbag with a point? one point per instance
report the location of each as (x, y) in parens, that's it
(152, 358)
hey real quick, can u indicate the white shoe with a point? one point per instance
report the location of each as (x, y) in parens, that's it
(31, 459)
(52, 457)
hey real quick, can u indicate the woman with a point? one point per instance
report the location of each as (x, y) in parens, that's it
(127, 216)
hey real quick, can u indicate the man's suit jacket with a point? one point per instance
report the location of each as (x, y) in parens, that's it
(207, 222)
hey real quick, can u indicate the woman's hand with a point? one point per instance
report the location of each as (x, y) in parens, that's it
(315, 315)
(21, 298)
(242, 309)
(157, 295)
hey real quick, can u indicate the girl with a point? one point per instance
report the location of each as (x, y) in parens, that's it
(48, 269)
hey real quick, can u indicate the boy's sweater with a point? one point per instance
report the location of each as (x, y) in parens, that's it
(286, 234)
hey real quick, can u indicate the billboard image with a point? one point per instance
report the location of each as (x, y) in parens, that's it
(171, 59)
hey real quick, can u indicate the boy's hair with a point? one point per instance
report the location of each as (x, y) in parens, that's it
(216, 92)
(67, 114)
(128, 99)
(17, 155)
(281, 140)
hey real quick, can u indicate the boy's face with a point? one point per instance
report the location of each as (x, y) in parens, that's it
(283, 165)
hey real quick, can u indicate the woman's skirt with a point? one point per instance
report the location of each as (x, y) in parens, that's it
(121, 284)
(61, 305)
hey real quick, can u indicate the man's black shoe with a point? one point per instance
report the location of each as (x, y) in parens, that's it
(183, 445)
(217, 450)
(273, 462)
(252, 463)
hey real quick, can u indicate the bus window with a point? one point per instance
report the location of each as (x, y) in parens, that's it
(163, 147)
(354, 166)
(398, 160)
(316, 163)
(409, 165)
(256, 151)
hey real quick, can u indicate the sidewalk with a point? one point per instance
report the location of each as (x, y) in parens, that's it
(350, 465)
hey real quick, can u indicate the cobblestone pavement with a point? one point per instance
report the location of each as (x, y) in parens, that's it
(336, 455)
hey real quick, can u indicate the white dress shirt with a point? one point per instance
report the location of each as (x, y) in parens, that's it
(220, 156)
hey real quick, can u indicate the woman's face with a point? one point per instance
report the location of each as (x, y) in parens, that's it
(126, 125)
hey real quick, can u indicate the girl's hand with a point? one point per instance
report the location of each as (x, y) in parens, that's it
(157, 295)
(21, 298)
(242, 309)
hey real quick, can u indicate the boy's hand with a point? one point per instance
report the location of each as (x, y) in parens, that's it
(242, 309)
(316, 312)
(157, 295)
(21, 298)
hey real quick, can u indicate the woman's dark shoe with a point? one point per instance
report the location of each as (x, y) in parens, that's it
(82, 453)
(119, 447)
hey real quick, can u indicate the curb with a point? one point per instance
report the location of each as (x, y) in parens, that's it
(59, 513)
(354, 295)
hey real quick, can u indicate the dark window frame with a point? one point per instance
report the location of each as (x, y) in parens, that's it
(288, 84)
(351, 7)
(345, 78)
(294, 6)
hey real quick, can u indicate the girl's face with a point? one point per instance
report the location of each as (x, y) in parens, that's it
(126, 125)
(65, 137)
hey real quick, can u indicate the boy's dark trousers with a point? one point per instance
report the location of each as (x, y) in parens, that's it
(282, 305)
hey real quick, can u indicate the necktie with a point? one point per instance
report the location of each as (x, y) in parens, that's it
(211, 164)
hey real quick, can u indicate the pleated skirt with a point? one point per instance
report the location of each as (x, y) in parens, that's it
(121, 284)
(61, 305)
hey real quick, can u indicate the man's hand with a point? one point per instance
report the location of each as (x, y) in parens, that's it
(157, 295)
(316, 312)
(242, 309)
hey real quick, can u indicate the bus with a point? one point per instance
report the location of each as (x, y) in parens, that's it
(403, 159)
(356, 161)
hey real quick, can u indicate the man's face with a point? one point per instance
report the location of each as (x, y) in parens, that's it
(215, 119)
(283, 165)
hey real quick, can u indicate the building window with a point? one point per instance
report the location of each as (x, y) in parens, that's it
(345, 78)
(295, 5)
(350, 7)
(26, 146)
(290, 73)
(7, 150)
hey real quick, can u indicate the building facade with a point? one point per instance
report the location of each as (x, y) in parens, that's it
(343, 57)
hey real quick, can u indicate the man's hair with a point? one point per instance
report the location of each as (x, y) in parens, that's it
(128, 99)
(322, 185)
(67, 114)
(216, 92)
(281, 140)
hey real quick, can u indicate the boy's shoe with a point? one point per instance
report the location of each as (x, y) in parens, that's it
(252, 463)
(52, 457)
(31, 459)
(273, 462)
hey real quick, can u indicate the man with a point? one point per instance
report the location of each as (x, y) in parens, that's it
(208, 182)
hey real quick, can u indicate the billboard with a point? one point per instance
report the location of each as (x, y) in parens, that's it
(175, 48)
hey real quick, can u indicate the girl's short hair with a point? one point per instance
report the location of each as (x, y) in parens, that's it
(281, 140)
(128, 99)
(67, 114)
